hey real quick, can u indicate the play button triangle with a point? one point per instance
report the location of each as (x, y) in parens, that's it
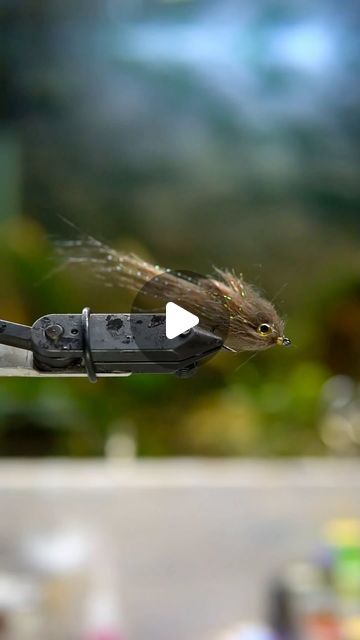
(178, 320)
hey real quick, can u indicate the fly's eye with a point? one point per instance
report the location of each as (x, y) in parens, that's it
(264, 329)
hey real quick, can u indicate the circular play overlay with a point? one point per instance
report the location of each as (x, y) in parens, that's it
(193, 293)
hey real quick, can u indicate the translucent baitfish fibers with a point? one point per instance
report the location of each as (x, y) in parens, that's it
(225, 304)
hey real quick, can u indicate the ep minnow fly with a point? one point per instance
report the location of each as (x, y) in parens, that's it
(225, 304)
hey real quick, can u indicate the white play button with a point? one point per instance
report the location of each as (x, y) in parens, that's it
(178, 320)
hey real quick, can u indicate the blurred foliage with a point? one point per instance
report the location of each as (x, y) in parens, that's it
(193, 133)
(266, 406)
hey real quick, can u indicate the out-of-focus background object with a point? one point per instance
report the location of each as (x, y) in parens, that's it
(187, 550)
(320, 598)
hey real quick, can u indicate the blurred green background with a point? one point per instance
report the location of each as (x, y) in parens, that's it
(196, 133)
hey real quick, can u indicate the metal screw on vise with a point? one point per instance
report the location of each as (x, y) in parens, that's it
(187, 372)
(54, 331)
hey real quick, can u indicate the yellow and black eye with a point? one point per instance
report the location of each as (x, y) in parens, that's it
(264, 329)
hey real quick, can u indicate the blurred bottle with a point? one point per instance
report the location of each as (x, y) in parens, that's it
(103, 616)
(314, 604)
(281, 614)
(343, 537)
(20, 608)
(60, 558)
